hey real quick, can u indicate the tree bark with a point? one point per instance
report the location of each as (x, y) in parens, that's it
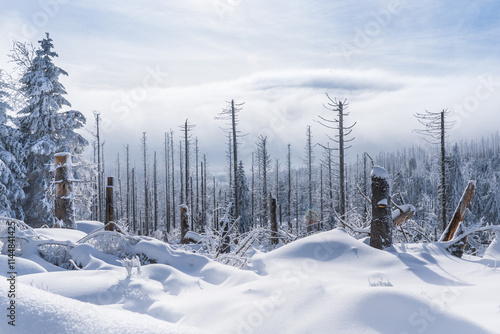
(460, 212)
(110, 205)
(184, 223)
(64, 209)
(381, 225)
(273, 219)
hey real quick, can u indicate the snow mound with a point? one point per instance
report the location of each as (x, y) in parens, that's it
(44, 312)
(379, 172)
(60, 234)
(88, 226)
(332, 247)
(325, 283)
(22, 266)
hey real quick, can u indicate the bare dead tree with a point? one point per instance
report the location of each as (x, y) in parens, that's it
(155, 194)
(264, 161)
(146, 201)
(309, 162)
(187, 140)
(329, 164)
(22, 54)
(167, 181)
(134, 222)
(253, 189)
(97, 116)
(196, 208)
(289, 190)
(341, 138)
(172, 149)
(435, 132)
(119, 192)
(128, 184)
(230, 114)
(181, 174)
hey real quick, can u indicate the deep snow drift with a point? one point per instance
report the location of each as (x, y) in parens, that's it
(325, 283)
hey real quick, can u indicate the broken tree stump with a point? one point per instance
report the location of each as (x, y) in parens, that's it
(64, 209)
(460, 212)
(381, 224)
(457, 249)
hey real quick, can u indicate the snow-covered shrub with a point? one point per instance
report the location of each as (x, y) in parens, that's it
(56, 253)
(111, 242)
(130, 263)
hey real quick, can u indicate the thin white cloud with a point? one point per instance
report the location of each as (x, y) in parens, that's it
(280, 57)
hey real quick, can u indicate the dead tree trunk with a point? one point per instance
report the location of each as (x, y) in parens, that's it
(454, 225)
(460, 212)
(64, 209)
(381, 225)
(273, 219)
(184, 223)
(110, 205)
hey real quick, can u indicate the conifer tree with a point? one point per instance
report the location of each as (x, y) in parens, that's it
(11, 171)
(45, 131)
(243, 200)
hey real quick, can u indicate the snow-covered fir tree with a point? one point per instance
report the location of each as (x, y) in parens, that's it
(243, 200)
(45, 131)
(11, 171)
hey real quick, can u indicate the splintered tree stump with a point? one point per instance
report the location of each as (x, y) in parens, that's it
(381, 224)
(64, 210)
(460, 212)
(457, 249)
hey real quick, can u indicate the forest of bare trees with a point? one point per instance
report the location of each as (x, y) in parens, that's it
(167, 193)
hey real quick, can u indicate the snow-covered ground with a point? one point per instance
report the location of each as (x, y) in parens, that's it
(325, 283)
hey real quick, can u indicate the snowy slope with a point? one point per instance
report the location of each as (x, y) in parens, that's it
(326, 283)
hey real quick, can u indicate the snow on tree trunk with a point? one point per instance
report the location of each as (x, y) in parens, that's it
(381, 225)
(64, 209)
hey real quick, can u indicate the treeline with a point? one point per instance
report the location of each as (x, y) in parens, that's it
(323, 192)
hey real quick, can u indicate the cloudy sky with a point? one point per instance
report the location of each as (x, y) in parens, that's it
(149, 65)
